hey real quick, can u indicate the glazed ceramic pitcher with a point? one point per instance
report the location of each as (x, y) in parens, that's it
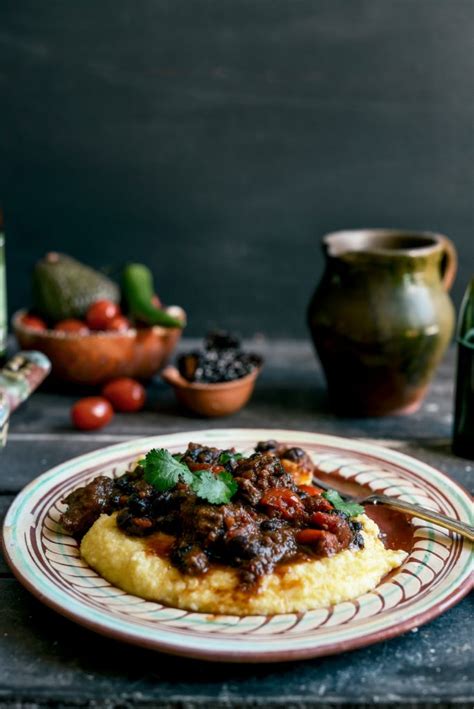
(381, 318)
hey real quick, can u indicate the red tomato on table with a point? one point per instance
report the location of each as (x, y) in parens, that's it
(125, 394)
(91, 413)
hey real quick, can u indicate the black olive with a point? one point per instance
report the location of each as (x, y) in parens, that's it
(139, 505)
(294, 454)
(124, 484)
(266, 446)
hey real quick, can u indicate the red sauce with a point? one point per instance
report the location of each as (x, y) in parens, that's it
(395, 527)
(160, 544)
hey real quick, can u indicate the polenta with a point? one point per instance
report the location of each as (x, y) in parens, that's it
(128, 562)
(214, 531)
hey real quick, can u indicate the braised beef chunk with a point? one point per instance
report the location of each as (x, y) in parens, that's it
(189, 558)
(285, 453)
(86, 504)
(202, 521)
(268, 550)
(269, 521)
(257, 474)
(135, 525)
(197, 453)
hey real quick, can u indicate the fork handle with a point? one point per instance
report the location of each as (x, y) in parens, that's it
(409, 508)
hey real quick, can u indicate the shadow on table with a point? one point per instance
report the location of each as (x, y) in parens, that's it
(63, 658)
(41, 633)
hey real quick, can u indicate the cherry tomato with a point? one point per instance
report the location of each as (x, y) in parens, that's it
(309, 536)
(33, 322)
(91, 412)
(100, 313)
(320, 504)
(72, 325)
(330, 522)
(310, 490)
(125, 394)
(118, 323)
(284, 501)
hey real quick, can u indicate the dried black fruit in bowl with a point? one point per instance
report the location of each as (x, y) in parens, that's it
(221, 340)
(221, 360)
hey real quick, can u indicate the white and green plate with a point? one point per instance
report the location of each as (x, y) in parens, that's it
(436, 574)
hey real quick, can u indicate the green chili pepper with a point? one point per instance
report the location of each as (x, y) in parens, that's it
(138, 290)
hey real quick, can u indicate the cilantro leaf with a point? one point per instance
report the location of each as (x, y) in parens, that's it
(351, 509)
(227, 456)
(216, 489)
(163, 471)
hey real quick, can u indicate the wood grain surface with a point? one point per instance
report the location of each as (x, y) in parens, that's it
(46, 660)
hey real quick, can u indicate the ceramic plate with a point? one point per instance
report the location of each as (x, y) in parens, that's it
(435, 575)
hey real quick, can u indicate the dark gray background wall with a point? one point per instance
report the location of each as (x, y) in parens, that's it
(217, 140)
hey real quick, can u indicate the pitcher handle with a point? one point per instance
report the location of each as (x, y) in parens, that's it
(449, 264)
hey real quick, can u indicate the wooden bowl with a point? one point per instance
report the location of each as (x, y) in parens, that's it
(100, 355)
(211, 399)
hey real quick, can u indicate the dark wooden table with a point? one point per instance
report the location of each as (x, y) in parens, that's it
(46, 660)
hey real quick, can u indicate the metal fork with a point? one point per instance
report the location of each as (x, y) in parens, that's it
(408, 508)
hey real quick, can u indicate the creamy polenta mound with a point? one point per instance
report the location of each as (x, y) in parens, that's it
(128, 562)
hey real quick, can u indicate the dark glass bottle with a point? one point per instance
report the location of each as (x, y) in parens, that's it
(463, 437)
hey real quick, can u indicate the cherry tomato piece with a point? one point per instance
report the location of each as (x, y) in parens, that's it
(33, 322)
(284, 501)
(320, 504)
(329, 522)
(322, 542)
(199, 466)
(309, 536)
(156, 301)
(91, 413)
(310, 490)
(100, 313)
(125, 394)
(118, 323)
(72, 325)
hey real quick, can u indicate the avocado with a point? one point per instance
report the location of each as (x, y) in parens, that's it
(64, 288)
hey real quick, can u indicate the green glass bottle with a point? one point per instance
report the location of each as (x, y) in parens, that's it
(463, 437)
(3, 293)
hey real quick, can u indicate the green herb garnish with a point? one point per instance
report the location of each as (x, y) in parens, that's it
(216, 489)
(227, 456)
(351, 509)
(164, 471)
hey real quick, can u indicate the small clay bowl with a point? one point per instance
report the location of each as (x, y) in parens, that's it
(98, 356)
(211, 399)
